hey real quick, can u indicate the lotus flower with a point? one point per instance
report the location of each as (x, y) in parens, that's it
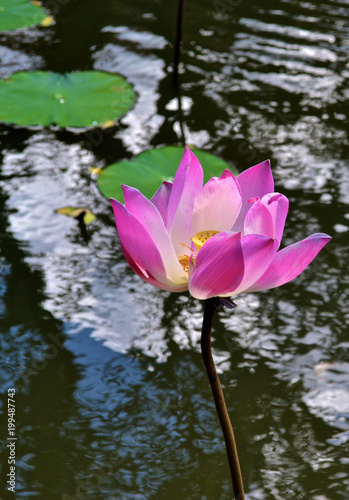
(219, 239)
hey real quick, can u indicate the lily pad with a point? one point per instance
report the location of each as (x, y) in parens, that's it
(150, 168)
(16, 14)
(84, 99)
(81, 213)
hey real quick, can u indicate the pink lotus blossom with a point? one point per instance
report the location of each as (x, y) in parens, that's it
(219, 239)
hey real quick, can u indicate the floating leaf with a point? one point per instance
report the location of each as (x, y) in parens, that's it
(81, 213)
(15, 14)
(85, 99)
(150, 168)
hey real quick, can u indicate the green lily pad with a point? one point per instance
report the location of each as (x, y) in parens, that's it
(84, 99)
(150, 168)
(15, 14)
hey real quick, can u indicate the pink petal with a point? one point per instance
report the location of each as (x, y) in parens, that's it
(218, 268)
(255, 182)
(258, 220)
(186, 185)
(138, 243)
(218, 204)
(134, 239)
(290, 262)
(161, 199)
(258, 252)
(149, 278)
(148, 215)
(277, 205)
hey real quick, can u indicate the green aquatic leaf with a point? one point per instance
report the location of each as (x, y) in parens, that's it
(80, 213)
(83, 99)
(150, 168)
(16, 14)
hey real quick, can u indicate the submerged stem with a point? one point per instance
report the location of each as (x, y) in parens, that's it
(218, 396)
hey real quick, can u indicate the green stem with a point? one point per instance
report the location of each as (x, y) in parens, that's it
(218, 396)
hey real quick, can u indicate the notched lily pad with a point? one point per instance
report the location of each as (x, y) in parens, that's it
(16, 14)
(150, 168)
(83, 214)
(82, 99)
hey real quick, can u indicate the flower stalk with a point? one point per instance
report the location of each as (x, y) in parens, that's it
(210, 306)
(179, 37)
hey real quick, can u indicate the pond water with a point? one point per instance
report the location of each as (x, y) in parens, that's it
(112, 401)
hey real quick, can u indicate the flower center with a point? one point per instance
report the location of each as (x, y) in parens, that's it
(199, 239)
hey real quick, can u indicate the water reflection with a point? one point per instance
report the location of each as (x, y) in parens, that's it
(36, 363)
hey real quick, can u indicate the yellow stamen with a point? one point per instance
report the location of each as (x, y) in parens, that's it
(184, 259)
(200, 238)
(184, 262)
(183, 244)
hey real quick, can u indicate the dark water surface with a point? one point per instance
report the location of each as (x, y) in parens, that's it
(111, 397)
